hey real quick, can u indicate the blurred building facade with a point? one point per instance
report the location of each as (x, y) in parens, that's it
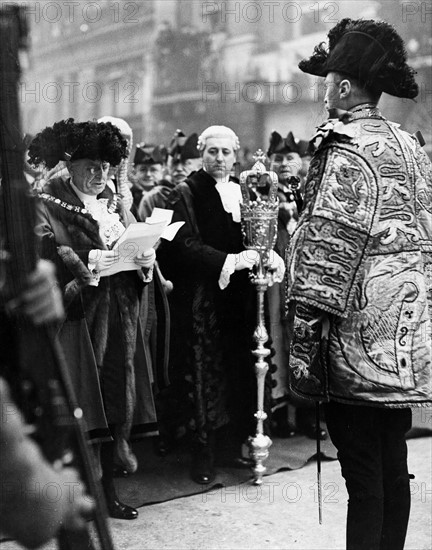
(165, 64)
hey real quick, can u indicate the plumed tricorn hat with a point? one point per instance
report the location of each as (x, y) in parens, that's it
(70, 140)
(183, 148)
(282, 146)
(147, 153)
(369, 51)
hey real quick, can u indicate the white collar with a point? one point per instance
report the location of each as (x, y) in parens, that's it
(231, 197)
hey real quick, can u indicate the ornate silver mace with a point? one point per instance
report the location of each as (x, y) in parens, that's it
(259, 213)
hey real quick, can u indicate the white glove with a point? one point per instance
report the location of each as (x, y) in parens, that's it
(146, 259)
(246, 259)
(276, 267)
(102, 259)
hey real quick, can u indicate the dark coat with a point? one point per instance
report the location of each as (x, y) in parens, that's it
(212, 328)
(108, 313)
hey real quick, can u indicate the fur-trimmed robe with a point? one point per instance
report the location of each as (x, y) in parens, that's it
(67, 238)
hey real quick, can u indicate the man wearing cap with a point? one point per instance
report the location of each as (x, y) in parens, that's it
(285, 156)
(149, 167)
(359, 285)
(184, 159)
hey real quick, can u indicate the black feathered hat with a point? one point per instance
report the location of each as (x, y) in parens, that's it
(370, 51)
(183, 148)
(70, 140)
(282, 146)
(145, 153)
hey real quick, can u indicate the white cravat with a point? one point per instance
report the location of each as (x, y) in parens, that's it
(231, 197)
(110, 226)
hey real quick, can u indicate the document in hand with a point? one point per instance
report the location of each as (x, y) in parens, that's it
(140, 237)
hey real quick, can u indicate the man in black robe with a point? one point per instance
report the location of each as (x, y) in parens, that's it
(213, 303)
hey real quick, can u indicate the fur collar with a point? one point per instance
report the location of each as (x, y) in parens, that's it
(80, 225)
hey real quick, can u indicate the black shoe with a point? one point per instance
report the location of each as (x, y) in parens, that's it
(119, 471)
(283, 430)
(162, 447)
(230, 456)
(202, 467)
(280, 425)
(118, 510)
(310, 430)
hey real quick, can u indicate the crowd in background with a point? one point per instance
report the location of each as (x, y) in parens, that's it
(166, 348)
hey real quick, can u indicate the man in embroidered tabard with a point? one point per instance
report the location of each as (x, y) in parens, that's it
(359, 287)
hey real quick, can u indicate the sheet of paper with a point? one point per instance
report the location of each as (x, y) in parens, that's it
(160, 215)
(137, 239)
(171, 231)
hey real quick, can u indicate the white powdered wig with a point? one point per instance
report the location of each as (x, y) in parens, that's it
(121, 124)
(218, 132)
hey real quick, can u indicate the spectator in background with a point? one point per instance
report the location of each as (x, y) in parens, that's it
(184, 159)
(149, 168)
(285, 156)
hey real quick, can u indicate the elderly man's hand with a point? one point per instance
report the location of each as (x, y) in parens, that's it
(146, 259)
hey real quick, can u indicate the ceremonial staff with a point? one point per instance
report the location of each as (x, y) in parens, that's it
(259, 212)
(47, 396)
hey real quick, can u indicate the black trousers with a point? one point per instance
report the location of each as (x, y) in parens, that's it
(372, 452)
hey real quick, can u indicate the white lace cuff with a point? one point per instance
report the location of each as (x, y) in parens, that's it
(91, 266)
(95, 274)
(146, 274)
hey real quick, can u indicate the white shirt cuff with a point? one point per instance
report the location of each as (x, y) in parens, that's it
(228, 269)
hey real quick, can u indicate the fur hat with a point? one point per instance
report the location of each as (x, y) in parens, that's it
(70, 140)
(282, 146)
(146, 153)
(370, 51)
